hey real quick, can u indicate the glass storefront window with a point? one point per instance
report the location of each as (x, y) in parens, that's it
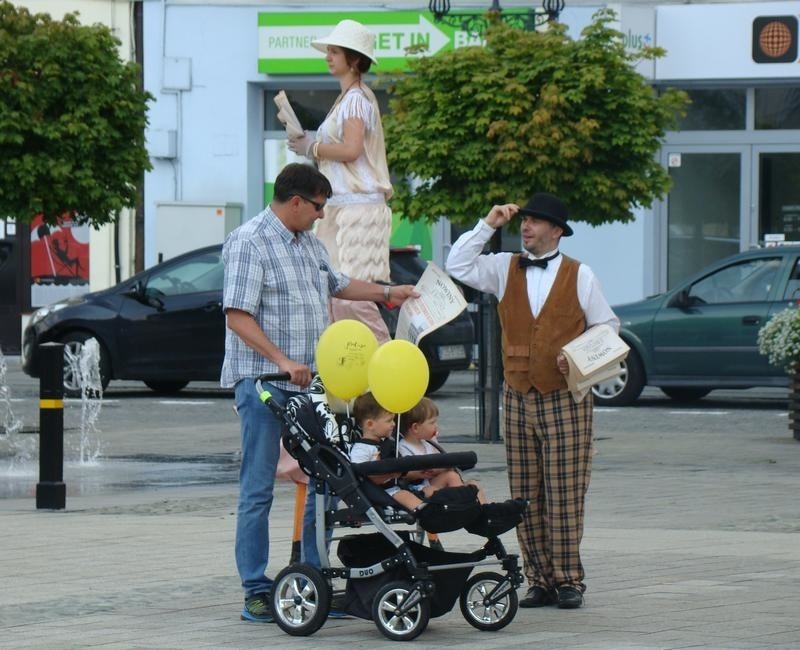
(718, 109)
(777, 108)
(779, 197)
(702, 212)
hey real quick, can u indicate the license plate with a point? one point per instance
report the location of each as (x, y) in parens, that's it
(452, 352)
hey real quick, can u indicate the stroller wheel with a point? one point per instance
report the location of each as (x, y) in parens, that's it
(391, 620)
(482, 610)
(301, 599)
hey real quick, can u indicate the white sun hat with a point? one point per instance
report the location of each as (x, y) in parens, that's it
(350, 34)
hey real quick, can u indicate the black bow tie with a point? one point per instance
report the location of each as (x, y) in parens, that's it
(525, 262)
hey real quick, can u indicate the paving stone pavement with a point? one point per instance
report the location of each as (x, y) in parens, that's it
(689, 543)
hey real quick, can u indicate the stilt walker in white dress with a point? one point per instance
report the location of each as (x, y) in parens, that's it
(349, 149)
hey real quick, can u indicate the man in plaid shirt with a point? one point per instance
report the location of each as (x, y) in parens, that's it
(278, 283)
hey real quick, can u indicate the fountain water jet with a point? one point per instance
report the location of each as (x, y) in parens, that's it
(18, 449)
(91, 401)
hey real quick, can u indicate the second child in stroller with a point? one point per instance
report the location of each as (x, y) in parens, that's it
(419, 428)
(438, 497)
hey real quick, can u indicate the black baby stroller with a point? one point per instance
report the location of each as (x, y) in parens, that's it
(390, 577)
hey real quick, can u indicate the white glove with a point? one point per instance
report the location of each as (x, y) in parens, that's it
(302, 145)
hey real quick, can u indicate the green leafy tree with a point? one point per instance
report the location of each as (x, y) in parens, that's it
(530, 111)
(72, 119)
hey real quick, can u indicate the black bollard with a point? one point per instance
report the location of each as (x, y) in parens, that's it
(51, 492)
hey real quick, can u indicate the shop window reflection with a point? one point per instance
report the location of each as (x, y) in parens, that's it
(777, 108)
(715, 109)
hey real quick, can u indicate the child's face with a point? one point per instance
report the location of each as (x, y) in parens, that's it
(380, 427)
(427, 429)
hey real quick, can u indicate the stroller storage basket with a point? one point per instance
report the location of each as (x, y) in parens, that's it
(365, 550)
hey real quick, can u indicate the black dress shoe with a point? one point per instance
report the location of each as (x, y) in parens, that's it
(537, 597)
(568, 598)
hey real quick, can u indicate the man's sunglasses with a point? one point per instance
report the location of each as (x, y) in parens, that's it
(317, 206)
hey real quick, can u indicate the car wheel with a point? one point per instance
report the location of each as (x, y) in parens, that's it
(165, 387)
(624, 388)
(73, 345)
(685, 393)
(436, 381)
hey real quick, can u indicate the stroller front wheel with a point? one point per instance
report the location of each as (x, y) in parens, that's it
(390, 618)
(301, 599)
(482, 609)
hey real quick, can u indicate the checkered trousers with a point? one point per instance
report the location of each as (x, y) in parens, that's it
(548, 442)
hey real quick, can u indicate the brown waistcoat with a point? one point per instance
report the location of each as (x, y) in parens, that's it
(530, 344)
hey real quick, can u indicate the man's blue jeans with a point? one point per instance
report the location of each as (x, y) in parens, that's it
(261, 434)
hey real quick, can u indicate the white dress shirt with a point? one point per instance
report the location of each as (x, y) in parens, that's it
(489, 273)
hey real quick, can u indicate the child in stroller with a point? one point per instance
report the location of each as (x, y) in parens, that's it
(376, 425)
(419, 428)
(391, 579)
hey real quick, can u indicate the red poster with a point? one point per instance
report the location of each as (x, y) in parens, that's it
(59, 260)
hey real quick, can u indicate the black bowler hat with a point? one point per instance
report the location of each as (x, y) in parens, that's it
(548, 207)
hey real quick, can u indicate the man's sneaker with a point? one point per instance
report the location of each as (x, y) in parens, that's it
(258, 608)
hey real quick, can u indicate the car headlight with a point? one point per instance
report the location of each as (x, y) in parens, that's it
(43, 312)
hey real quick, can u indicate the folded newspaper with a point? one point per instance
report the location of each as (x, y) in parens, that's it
(439, 302)
(287, 117)
(593, 357)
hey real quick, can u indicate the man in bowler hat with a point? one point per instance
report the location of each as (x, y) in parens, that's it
(545, 299)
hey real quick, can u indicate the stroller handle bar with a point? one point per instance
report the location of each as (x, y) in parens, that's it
(273, 376)
(264, 395)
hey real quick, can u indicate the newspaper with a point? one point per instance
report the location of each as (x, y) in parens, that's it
(287, 117)
(593, 357)
(439, 302)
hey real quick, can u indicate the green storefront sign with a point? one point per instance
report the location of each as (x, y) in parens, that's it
(284, 39)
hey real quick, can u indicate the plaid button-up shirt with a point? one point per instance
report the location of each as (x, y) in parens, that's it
(285, 281)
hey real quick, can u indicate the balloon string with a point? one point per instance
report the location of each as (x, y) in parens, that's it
(397, 439)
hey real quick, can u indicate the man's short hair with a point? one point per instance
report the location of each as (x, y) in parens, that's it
(297, 178)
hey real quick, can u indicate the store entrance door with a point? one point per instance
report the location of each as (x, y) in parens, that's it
(10, 304)
(776, 179)
(707, 209)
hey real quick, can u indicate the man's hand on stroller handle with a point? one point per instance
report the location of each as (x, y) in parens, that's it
(299, 374)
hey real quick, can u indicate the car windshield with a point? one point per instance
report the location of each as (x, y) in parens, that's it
(197, 274)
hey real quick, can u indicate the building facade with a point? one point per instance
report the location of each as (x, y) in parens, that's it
(215, 142)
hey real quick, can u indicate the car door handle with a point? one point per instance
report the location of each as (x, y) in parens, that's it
(212, 306)
(750, 320)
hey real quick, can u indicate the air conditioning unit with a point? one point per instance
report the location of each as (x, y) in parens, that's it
(181, 227)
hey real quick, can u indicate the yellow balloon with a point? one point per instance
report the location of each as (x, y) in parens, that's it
(398, 375)
(343, 354)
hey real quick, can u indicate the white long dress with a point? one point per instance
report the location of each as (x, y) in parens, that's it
(357, 223)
